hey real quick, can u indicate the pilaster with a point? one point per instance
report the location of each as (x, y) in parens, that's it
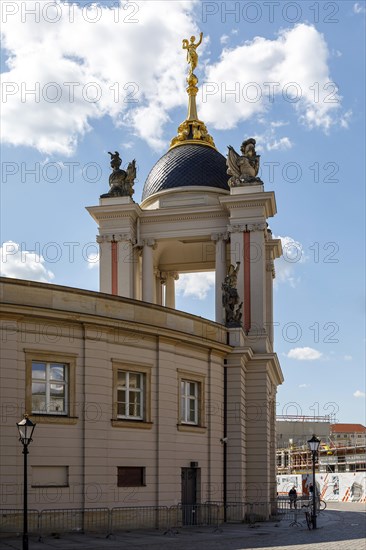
(220, 273)
(148, 246)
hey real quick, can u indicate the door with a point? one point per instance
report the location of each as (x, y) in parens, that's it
(189, 496)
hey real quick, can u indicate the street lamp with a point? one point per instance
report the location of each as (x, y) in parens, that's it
(313, 444)
(25, 428)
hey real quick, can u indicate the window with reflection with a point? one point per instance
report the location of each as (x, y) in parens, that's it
(49, 388)
(130, 395)
(189, 401)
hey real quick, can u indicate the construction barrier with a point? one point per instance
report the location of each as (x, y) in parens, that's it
(108, 521)
(194, 515)
(139, 517)
(11, 521)
(56, 521)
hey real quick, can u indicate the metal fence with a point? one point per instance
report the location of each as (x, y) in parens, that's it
(68, 520)
(139, 517)
(108, 521)
(194, 515)
(11, 521)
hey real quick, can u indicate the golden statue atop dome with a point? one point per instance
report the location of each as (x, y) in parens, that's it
(192, 130)
(191, 47)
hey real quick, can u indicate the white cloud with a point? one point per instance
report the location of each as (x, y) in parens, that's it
(304, 385)
(280, 144)
(358, 8)
(195, 284)
(291, 68)
(304, 354)
(76, 82)
(292, 254)
(224, 39)
(278, 123)
(93, 260)
(347, 357)
(344, 120)
(359, 393)
(23, 264)
(131, 72)
(269, 140)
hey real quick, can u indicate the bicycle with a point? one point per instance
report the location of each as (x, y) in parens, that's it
(308, 510)
(320, 504)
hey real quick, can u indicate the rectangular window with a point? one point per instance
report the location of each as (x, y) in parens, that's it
(189, 392)
(49, 388)
(50, 476)
(191, 400)
(130, 395)
(131, 476)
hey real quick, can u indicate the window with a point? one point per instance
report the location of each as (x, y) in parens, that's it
(50, 386)
(191, 401)
(50, 476)
(131, 476)
(131, 395)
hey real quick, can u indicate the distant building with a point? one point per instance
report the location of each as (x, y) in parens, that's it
(342, 447)
(348, 435)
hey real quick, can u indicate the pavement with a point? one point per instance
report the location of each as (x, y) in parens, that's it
(342, 526)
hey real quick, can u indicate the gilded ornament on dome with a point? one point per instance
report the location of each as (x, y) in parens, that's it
(192, 130)
(191, 47)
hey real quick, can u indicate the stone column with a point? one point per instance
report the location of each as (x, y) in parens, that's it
(171, 277)
(105, 263)
(126, 263)
(258, 277)
(158, 288)
(148, 270)
(220, 273)
(270, 274)
(137, 274)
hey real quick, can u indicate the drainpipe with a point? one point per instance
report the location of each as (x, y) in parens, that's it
(83, 437)
(224, 441)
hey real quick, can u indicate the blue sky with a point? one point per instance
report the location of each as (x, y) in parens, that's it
(112, 77)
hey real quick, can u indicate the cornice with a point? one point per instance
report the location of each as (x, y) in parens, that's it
(265, 200)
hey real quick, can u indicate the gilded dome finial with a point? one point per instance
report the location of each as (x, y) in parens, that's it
(192, 130)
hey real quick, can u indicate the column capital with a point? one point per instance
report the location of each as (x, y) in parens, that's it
(149, 242)
(241, 228)
(103, 239)
(116, 237)
(169, 275)
(262, 226)
(270, 266)
(220, 236)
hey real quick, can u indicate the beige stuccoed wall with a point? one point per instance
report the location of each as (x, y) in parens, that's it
(99, 330)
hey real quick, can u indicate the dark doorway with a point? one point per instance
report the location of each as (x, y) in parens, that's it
(189, 495)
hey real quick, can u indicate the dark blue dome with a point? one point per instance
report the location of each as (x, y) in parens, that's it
(187, 165)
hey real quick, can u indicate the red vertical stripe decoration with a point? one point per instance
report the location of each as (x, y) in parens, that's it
(114, 268)
(247, 316)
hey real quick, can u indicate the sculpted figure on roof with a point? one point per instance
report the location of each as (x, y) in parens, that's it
(244, 168)
(230, 297)
(121, 181)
